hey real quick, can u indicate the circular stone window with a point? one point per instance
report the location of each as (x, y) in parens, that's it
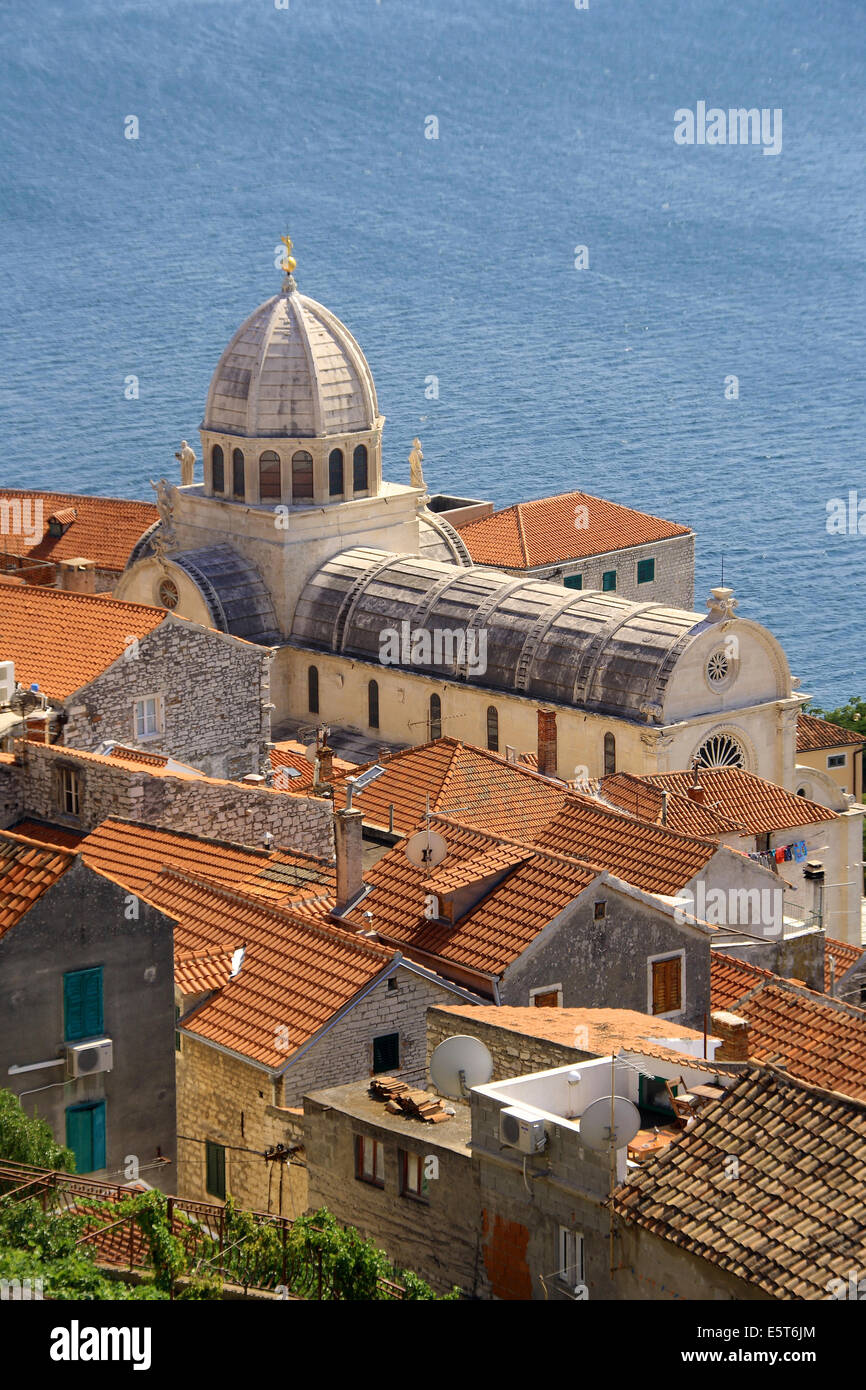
(718, 668)
(721, 750)
(168, 595)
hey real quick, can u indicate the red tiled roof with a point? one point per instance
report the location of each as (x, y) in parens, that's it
(197, 972)
(640, 799)
(759, 805)
(102, 529)
(62, 641)
(452, 875)
(794, 1219)
(731, 978)
(48, 834)
(27, 870)
(814, 734)
(842, 956)
(543, 532)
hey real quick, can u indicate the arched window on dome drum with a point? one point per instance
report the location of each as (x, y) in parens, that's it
(373, 704)
(492, 729)
(313, 689)
(435, 717)
(335, 473)
(217, 469)
(269, 475)
(609, 755)
(302, 476)
(238, 480)
(360, 480)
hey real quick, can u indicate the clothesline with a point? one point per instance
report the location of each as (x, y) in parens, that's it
(796, 850)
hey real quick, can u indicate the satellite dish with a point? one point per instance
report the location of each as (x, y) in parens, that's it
(595, 1128)
(458, 1064)
(425, 850)
(311, 752)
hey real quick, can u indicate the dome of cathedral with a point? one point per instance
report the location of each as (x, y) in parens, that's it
(292, 370)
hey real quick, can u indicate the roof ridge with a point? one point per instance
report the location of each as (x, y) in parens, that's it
(524, 549)
(266, 854)
(45, 846)
(47, 591)
(532, 851)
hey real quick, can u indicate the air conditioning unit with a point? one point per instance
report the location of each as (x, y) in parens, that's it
(517, 1130)
(88, 1058)
(7, 681)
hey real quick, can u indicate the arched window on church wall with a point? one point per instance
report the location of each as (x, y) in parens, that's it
(435, 717)
(373, 704)
(609, 755)
(217, 469)
(302, 476)
(492, 729)
(238, 480)
(335, 473)
(313, 689)
(360, 471)
(269, 476)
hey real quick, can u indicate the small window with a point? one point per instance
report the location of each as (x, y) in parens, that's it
(335, 473)
(608, 582)
(609, 755)
(217, 469)
(599, 911)
(392, 983)
(369, 1160)
(801, 791)
(147, 717)
(302, 476)
(570, 1266)
(168, 594)
(360, 478)
(412, 1180)
(269, 476)
(549, 1000)
(313, 689)
(837, 759)
(215, 1169)
(573, 581)
(667, 992)
(82, 1004)
(646, 571)
(70, 791)
(373, 704)
(386, 1052)
(239, 487)
(435, 717)
(492, 729)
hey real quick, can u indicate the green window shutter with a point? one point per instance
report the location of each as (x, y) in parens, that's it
(573, 581)
(82, 1004)
(85, 1136)
(215, 1164)
(646, 571)
(608, 582)
(97, 1114)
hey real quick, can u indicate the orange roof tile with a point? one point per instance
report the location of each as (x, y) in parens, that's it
(759, 805)
(795, 1217)
(61, 641)
(48, 834)
(198, 972)
(27, 870)
(543, 532)
(102, 529)
(814, 734)
(294, 976)
(731, 978)
(640, 799)
(842, 956)
(453, 875)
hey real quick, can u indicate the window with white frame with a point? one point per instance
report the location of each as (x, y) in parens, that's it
(666, 984)
(570, 1267)
(546, 997)
(147, 717)
(369, 1160)
(837, 759)
(70, 791)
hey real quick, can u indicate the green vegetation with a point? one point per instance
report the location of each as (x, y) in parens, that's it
(27, 1139)
(850, 716)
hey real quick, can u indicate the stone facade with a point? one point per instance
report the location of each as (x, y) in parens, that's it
(512, 1053)
(213, 694)
(231, 811)
(673, 583)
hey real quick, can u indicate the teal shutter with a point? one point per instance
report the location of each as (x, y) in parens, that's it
(215, 1164)
(82, 1004)
(97, 1115)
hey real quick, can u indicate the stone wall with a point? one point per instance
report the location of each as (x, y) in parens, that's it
(214, 694)
(513, 1054)
(202, 806)
(674, 581)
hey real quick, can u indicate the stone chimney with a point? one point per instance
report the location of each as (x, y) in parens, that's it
(814, 874)
(326, 763)
(734, 1033)
(696, 792)
(350, 863)
(547, 742)
(77, 576)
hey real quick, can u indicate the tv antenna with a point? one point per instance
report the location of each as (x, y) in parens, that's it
(458, 1064)
(606, 1125)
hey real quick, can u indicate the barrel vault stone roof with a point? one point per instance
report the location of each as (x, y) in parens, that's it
(235, 593)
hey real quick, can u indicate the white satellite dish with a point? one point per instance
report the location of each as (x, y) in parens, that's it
(595, 1124)
(426, 849)
(458, 1064)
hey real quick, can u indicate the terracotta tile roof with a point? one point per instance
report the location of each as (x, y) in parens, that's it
(48, 834)
(641, 799)
(813, 734)
(121, 753)
(202, 971)
(479, 787)
(731, 978)
(543, 532)
(27, 870)
(451, 876)
(603, 1030)
(291, 754)
(134, 854)
(843, 957)
(103, 529)
(795, 1218)
(62, 641)
(759, 805)
(498, 929)
(294, 976)
(818, 1039)
(654, 858)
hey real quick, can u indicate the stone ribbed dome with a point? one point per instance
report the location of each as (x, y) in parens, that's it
(292, 370)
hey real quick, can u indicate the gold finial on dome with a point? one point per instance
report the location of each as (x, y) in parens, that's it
(289, 263)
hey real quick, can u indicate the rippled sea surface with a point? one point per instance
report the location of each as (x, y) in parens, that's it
(454, 257)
